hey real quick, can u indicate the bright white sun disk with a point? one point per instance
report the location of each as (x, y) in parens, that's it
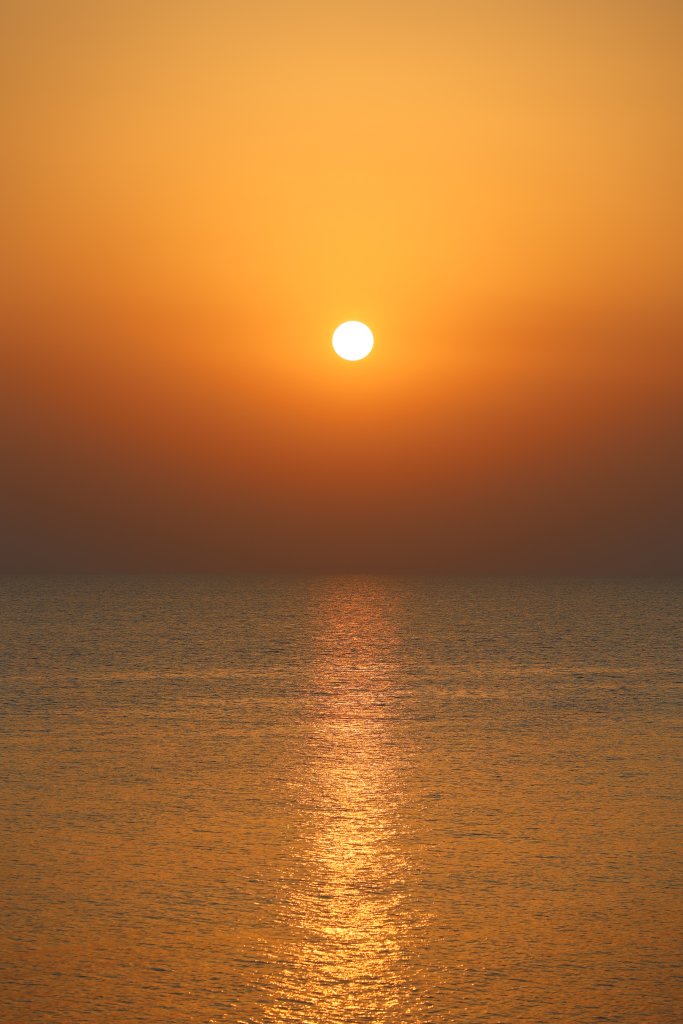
(353, 340)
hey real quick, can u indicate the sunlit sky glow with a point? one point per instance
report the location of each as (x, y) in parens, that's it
(195, 197)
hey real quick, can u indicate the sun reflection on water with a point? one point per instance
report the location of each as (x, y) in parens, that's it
(343, 906)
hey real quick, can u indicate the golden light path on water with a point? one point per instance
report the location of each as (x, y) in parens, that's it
(344, 905)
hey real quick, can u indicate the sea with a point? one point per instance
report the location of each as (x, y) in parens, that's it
(340, 800)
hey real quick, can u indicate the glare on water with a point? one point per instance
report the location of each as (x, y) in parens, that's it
(343, 909)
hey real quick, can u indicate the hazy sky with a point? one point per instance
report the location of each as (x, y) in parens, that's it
(196, 194)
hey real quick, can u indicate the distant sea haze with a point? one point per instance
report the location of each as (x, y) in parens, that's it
(340, 799)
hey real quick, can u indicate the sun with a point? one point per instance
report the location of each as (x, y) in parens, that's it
(353, 340)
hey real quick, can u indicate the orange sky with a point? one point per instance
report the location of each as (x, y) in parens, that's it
(196, 194)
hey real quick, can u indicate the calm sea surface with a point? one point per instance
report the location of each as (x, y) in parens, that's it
(339, 800)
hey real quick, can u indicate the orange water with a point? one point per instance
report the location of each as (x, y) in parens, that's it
(340, 800)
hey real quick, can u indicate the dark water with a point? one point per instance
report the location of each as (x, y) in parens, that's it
(340, 800)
